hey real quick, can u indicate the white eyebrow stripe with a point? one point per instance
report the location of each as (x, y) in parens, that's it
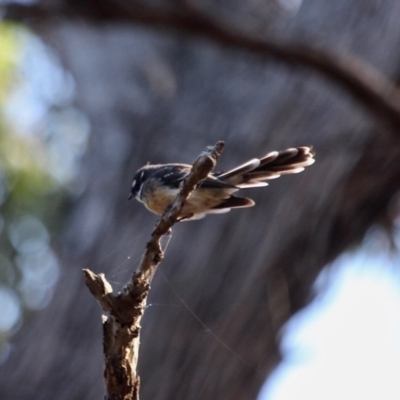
(140, 192)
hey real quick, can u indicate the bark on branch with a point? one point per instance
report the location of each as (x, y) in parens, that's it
(121, 326)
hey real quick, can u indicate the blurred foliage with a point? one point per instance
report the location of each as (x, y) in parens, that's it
(25, 184)
(30, 200)
(9, 55)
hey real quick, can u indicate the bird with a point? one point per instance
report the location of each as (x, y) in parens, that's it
(156, 186)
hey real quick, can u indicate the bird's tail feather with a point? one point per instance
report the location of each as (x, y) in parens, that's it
(255, 172)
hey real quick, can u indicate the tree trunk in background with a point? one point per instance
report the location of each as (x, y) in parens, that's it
(161, 96)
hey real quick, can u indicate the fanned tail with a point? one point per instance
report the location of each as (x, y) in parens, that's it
(255, 172)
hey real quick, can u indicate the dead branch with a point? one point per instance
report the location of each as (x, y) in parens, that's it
(121, 327)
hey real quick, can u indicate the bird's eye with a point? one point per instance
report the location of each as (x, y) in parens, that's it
(134, 183)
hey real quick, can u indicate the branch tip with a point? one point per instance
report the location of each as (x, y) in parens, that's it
(97, 284)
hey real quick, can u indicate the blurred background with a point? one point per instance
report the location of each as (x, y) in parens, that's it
(301, 291)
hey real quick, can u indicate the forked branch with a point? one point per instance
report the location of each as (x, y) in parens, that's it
(121, 325)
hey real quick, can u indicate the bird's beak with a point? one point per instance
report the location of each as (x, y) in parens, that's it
(130, 196)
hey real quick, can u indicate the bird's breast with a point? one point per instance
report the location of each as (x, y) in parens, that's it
(157, 198)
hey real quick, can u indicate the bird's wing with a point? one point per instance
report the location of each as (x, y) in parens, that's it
(211, 182)
(177, 175)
